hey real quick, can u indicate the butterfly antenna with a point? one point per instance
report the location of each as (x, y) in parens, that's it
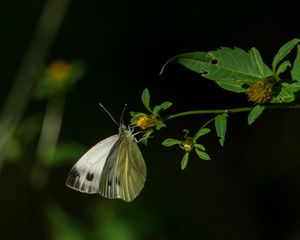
(109, 114)
(122, 115)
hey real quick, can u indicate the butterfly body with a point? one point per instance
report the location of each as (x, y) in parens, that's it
(114, 168)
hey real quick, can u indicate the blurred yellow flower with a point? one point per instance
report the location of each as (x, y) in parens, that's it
(59, 70)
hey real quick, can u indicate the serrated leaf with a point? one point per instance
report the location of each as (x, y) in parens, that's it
(287, 93)
(202, 155)
(171, 142)
(282, 67)
(255, 113)
(237, 65)
(163, 106)
(184, 160)
(146, 99)
(229, 68)
(296, 66)
(221, 126)
(201, 132)
(283, 52)
(257, 61)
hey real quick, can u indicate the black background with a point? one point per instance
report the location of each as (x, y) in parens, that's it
(250, 188)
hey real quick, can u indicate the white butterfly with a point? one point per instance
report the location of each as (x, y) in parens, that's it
(114, 168)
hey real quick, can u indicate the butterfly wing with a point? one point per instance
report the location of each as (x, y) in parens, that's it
(85, 174)
(124, 173)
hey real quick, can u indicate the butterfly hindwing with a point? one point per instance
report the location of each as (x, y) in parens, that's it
(124, 172)
(86, 173)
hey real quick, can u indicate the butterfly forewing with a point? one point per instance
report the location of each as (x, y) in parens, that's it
(124, 172)
(85, 174)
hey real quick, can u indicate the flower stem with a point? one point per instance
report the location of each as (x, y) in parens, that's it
(210, 111)
(232, 110)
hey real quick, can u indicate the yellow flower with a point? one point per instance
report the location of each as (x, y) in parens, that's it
(261, 91)
(146, 121)
(59, 70)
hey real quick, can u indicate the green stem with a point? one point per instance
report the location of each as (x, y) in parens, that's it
(203, 126)
(210, 111)
(232, 110)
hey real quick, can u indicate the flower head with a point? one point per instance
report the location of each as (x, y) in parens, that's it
(59, 70)
(188, 145)
(146, 121)
(261, 91)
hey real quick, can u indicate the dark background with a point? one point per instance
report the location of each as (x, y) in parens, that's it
(250, 188)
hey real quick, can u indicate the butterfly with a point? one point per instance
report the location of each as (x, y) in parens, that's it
(114, 168)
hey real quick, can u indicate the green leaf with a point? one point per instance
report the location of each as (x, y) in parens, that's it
(283, 52)
(171, 142)
(221, 126)
(202, 155)
(237, 66)
(197, 56)
(199, 146)
(257, 61)
(255, 113)
(184, 160)
(146, 136)
(160, 125)
(287, 93)
(201, 132)
(296, 66)
(282, 67)
(163, 106)
(232, 87)
(229, 68)
(146, 99)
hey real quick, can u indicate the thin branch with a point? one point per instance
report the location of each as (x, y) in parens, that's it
(34, 58)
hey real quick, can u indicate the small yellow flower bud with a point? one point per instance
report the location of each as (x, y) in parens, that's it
(188, 145)
(146, 121)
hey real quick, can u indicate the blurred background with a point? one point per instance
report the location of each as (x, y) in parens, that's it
(60, 58)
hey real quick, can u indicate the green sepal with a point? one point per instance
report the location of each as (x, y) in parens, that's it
(199, 146)
(163, 106)
(171, 142)
(159, 125)
(146, 136)
(184, 160)
(201, 132)
(282, 68)
(202, 155)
